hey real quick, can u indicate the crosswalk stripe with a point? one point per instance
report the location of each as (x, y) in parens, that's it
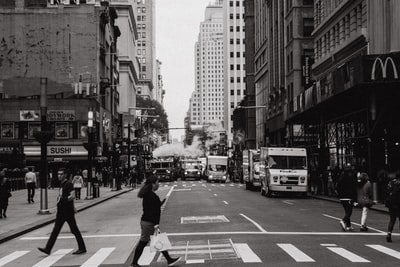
(12, 256)
(348, 255)
(295, 253)
(246, 253)
(98, 257)
(194, 261)
(147, 256)
(387, 251)
(52, 258)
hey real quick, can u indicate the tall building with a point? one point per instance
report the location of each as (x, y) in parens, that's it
(207, 101)
(146, 52)
(159, 91)
(69, 49)
(234, 60)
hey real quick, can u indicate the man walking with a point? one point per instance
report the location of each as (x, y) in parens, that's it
(347, 191)
(30, 180)
(65, 213)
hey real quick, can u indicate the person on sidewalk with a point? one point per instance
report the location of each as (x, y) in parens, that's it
(150, 219)
(347, 191)
(393, 203)
(30, 180)
(65, 213)
(364, 198)
(5, 194)
(77, 182)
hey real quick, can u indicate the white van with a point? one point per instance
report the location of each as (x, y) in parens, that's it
(217, 168)
(285, 170)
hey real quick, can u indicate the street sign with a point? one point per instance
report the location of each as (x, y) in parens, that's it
(133, 161)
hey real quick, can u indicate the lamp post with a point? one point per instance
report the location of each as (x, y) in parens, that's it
(43, 137)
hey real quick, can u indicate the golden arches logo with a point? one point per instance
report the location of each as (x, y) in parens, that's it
(384, 68)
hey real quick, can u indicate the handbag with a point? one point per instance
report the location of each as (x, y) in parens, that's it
(159, 242)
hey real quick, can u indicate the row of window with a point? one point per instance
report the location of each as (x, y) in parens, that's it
(231, 16)
(238, 66)
(238, 79)
(232, 41)
(341, 31)
(141, 26)
(238, 92)
(141, 43)
(232, 28)
(142, 35)
(231, 3)
(141, 10)
(141, 18)
(26, 130)
(232, 54)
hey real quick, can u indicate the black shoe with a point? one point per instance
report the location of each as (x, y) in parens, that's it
(173, 261)
(44, 250)
(389, 238)
(79, 252)
(135, 265)
(1, 216)
(363, 228)
(32, 200)
(4, 215)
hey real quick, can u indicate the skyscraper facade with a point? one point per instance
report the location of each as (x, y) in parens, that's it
(234, 60)
(207, 101)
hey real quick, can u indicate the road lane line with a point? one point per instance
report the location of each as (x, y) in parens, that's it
(347, 254)
(194, 261)
(295, 253)
(336, 218)
(13, 256)
(222, 185)
(328, 245)
(147, 256)
(287, 202)
(52, 258)
(246, 253)
(256, 224)
(385, 250)
(98, 257)
(183, 189)
(215, 195)
(226, 203)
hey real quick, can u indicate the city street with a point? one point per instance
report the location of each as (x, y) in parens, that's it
(217, 225)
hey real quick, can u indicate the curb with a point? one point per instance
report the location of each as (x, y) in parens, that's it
(36, 225)
(383, 210)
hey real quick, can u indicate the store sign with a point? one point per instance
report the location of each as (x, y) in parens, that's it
(383, 66)
(61, 115)
(29, 115)
(57, 151)
(306, 62)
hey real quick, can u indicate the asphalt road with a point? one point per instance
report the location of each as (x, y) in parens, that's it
(217, 225)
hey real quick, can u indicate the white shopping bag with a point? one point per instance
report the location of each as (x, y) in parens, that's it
(159, 242)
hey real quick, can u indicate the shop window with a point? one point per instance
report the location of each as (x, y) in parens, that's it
(62, 130)
(7, 130)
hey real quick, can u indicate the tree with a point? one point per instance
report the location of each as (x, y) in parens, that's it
(159, 124)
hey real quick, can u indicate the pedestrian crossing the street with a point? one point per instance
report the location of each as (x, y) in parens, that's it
(208, 251)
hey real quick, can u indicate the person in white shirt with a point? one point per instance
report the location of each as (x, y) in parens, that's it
(77, 182)
(30, 180)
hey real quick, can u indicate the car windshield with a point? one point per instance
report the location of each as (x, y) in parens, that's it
(287, 162)
(191, 165)
(217, 168)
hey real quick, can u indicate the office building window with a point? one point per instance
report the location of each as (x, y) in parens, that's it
(308, 26)
(308, 2)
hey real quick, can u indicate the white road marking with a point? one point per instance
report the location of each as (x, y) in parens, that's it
(13, 256)
(246, 253)
(328, 245)
(226, 203)
(98, 257)
(222, 185)
(215, 195)
(209, 189)
(183, 189)
(348, 255)
(194, 261)
(336, 218)
(213, 185)
(287, 202)
(256, 224)
(147, 256)
(52, 258)
(295, 253)
(387, 251)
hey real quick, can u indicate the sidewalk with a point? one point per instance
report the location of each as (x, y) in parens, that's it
(377, 207)
(23, 217)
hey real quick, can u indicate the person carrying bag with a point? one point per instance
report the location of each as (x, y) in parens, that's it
(149, 223)
(364, 198)
(159, 242)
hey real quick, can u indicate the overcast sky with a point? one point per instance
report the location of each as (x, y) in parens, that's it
(177, 28)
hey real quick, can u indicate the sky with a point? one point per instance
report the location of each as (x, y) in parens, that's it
(177, 28)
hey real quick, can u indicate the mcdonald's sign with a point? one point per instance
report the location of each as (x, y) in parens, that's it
(385, 68)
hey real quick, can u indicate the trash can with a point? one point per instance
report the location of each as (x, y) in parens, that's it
(96, 190)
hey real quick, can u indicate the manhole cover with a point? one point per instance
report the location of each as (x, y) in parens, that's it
(217, 249)
(204, 219)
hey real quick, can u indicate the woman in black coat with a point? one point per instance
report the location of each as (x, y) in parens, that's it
(150, 219)
(5, 194)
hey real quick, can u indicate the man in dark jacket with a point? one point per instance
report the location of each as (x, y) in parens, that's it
(347, 191)
(65, 213)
